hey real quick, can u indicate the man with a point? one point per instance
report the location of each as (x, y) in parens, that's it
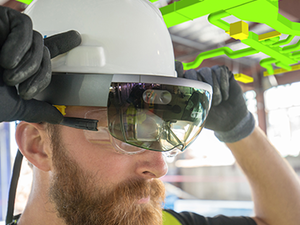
(94, 177)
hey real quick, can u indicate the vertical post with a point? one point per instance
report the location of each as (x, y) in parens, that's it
(5, 167)
(261, 113)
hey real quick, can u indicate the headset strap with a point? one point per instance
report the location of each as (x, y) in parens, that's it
(13, 187)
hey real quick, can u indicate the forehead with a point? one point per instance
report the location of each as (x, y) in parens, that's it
(82, 111)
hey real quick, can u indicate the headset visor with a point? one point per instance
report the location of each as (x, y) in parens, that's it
(157, 117)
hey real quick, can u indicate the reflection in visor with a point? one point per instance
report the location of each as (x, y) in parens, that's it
(102, 136)
(156, 116)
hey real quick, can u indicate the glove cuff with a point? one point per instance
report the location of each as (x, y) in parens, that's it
(243, 129)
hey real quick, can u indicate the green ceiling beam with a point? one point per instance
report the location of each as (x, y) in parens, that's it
(27, 2)
(186, 10)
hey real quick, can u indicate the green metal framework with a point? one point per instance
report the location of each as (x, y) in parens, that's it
(259, 11)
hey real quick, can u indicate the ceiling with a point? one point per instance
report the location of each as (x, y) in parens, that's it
(193, 37)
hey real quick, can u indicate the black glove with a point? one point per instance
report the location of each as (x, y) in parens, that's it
(229, 117)
(25, 63)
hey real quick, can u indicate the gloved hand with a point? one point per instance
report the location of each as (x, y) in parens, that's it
(25, 63)
(229, 117)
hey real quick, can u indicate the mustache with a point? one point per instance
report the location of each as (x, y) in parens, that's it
(133, 190)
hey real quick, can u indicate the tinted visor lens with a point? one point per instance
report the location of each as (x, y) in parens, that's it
(156, 116)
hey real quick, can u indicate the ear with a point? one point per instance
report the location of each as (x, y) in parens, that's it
(34, 144)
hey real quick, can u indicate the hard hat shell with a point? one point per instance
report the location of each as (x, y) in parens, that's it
(118, 36)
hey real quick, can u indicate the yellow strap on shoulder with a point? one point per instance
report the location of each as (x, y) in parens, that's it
(169, 219)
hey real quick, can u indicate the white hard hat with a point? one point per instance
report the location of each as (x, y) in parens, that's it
(126, 64)
(118, 36)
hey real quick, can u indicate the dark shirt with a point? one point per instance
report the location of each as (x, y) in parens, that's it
(189, 218)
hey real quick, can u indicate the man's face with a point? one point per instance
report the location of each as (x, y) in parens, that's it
(93, 184)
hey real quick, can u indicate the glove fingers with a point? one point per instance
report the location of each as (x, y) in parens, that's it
(36, 111)
(217, 94)
(206, 75)
(222, 75)
(209, 76)
(39, 81)
(28, 65)
(62, 43)
(20, 29)
(13, 107)
(179, 69)
(192, 75)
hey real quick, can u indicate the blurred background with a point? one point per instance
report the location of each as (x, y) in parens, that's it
(205, 178)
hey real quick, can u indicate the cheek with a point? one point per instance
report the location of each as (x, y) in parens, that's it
(98, 159)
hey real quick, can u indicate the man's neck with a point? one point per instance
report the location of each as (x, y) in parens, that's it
(39, 209)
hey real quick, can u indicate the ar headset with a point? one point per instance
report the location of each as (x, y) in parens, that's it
(148, 112)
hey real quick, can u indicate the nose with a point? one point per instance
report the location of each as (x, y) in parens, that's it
(151, 164)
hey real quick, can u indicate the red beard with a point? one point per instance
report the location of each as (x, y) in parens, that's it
(78, 201)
